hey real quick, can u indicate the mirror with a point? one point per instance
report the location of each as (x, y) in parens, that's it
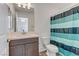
(21, 19)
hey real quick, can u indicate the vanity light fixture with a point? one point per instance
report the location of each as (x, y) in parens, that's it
(24, 5)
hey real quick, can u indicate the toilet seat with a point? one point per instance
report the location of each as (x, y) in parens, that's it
(52, 48)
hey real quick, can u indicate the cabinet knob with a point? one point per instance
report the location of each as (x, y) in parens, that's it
(8, 40)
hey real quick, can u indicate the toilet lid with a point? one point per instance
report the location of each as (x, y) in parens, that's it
(52, 48)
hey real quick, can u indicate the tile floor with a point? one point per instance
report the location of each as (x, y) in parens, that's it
(44, 53)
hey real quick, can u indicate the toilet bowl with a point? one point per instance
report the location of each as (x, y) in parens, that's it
(51, 49)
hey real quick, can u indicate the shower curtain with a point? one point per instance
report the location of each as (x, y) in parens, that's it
(65, 32)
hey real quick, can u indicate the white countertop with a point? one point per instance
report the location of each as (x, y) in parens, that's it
(20, 35)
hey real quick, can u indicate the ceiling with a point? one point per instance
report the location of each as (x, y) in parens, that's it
(53, 5)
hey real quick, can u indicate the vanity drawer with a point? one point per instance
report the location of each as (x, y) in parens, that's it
(22, 41)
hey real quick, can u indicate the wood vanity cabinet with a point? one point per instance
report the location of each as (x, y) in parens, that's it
(24, 47)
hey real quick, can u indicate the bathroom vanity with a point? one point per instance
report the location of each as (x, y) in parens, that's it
(23, 44)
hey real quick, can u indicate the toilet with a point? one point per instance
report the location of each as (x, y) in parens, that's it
(52, 50)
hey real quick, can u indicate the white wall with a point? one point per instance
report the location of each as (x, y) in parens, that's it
(3, 29)
(42, 24)
(43, 12)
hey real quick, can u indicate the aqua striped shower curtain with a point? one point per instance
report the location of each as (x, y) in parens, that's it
(65, 32)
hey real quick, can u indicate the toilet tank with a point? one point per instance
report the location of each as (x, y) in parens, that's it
(45, 40)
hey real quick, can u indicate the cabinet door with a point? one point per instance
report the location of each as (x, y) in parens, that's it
(17, 50)
(28, 50)
(31, 49)
(35, 49)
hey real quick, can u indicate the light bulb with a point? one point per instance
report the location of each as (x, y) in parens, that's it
(24, 6)
(19, 5)
(29, 5)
